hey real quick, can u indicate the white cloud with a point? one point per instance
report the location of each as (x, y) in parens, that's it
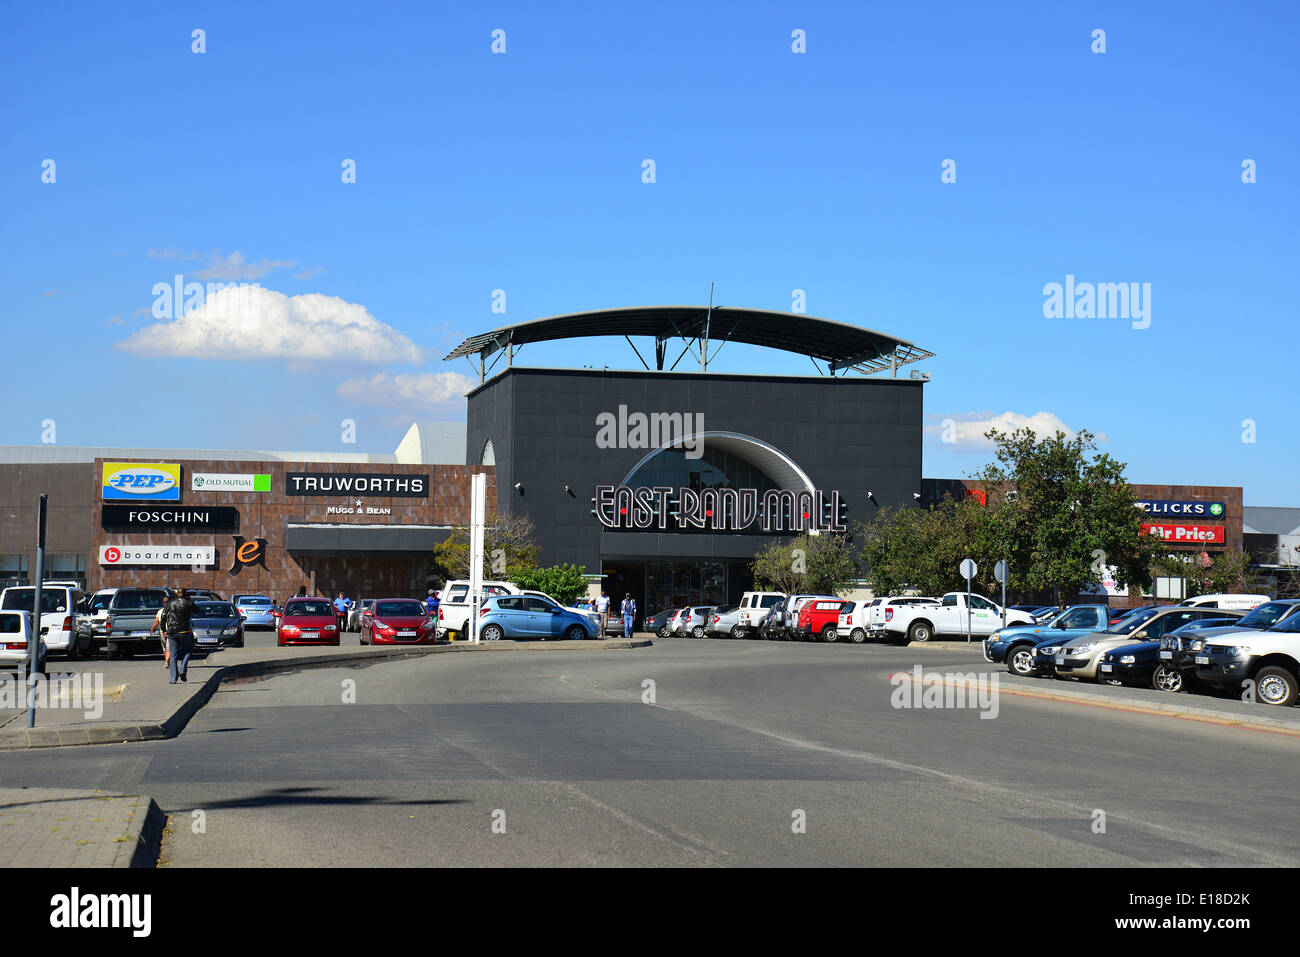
(237, 266)
(309, 272)
(250, 322)
(115, 321)
(46, 295)
(965, 433)
(420, 389)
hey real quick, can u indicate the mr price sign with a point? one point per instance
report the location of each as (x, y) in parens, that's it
(1188, 534)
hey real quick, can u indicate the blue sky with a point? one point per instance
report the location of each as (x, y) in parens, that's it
(775, 171)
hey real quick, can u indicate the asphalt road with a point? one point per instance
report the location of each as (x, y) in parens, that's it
(743, 740)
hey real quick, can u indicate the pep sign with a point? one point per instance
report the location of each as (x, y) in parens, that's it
(142, 482)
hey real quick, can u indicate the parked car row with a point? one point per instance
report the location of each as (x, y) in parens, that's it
(1194, 646)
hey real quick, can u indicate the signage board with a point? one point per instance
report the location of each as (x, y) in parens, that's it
(377, 484)
(112, 555)
(229, 482)
(718, 509)
(1181, 509)
(200, 518)
(1188, 534)
(141, 482)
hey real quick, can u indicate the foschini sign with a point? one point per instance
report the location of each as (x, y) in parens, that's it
(201, 518)
(376, 484)
(718, 509)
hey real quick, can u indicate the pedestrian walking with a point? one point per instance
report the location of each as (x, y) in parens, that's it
(431, 603)
(157, 626)
(341, 606)
(176, 620)
(602, 607)
(629, 614)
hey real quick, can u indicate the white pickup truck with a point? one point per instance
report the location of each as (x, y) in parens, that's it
(948, 619)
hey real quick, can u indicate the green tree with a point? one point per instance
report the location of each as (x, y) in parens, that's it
(1064, 517)
(564, 583)
(1226, 572)
(923, 548)
(809, 564)
(509, 549)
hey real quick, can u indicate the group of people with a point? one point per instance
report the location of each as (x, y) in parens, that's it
(601, 606)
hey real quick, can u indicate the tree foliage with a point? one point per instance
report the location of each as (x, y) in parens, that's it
(509, 549)
(923, 548)
(564, 583)
(809, 564)
(1072, 517)
(1226, 572)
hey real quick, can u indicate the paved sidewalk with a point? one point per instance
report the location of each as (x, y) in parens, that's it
(54, 827)
(138, 703)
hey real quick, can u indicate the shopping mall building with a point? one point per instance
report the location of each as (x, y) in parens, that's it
(659, 482)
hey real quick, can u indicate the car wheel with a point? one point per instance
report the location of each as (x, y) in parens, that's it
(1166, 679)
(857, 636)
(575, 633)
(737, 632)
(1020, 661)
(72, 654)
(920, 631)
(697, 631)
(830, 633)
(1275, 686)
(663, 632)
(492, 633)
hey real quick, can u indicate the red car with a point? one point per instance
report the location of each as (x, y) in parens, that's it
(820, 617)
(307, 621)
(398, 621)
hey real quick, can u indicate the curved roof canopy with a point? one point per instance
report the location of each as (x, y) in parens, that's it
(704, 331)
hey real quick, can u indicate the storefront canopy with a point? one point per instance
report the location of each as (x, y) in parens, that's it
(345, 539)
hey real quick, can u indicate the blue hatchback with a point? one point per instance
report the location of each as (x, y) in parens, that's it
(528, 616)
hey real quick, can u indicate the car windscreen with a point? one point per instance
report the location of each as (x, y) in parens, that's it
(215, 609)
(400, 609)
(138, 600)
(1132, 622)
(1266, 615)
(20, 599)
(308, 609)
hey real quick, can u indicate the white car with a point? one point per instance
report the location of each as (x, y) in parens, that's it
(454, 609)
(65, 626)
(881, 611)
(950, 618)
(97, 608)
(1234, 602)
(855, 621)
(754, 606)
(15, 638)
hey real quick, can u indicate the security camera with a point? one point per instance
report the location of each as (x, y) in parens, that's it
(916, 495)
(567, 489)
(869, 495)
(519, 486)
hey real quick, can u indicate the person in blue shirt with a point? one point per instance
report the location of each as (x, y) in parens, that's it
(342, 605)
(432, 603)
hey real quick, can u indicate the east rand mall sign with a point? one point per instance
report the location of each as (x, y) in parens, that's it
(718, 509)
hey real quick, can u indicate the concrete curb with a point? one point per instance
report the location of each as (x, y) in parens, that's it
(171, 726)
(147, 830)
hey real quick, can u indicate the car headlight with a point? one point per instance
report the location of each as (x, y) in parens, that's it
(1127, 659)
(1197, 644)
(1083, 648)
(1238, 651)
(230, 631)
(995, 636)
(1047, 651)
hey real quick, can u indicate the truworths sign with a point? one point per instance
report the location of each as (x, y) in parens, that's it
(718, 509)
(229, 482)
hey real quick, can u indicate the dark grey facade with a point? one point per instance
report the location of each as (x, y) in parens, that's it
(851, 434)
(69, 521)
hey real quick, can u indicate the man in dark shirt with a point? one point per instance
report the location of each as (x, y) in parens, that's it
(177, 615)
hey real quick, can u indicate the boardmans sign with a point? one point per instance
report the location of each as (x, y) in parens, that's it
(142, 482)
